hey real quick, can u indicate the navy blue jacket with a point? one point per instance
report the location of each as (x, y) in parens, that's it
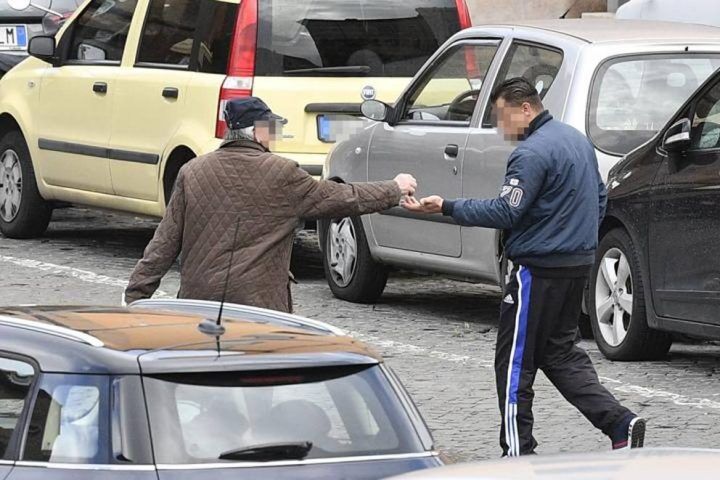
(552, 201)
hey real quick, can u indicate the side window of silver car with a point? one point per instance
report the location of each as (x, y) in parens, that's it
(450, 89)
(538, 64)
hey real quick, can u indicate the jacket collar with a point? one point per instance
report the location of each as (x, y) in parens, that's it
(537, 122)
(249, 144)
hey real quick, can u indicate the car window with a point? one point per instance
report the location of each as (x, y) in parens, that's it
(343, 412)
(169, 31)
(449, 91)
(69, 420)
(538, 64)
(380, 38)
(633, 97)
(15, 381)
(175, 31)
(100, 31)
(705, 131)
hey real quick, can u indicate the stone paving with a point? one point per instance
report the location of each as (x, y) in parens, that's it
(438, 335)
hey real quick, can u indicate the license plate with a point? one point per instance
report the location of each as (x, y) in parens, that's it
(13, 37)
(337, 128)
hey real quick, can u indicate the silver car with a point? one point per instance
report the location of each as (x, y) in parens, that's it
(616, 81)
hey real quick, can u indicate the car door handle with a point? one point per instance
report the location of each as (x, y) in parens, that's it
(170, 92)
(452, 151)
(100, 87)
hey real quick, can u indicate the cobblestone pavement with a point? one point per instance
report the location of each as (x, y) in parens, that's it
(438, 335)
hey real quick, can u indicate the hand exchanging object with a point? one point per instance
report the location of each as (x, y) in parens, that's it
(431, 204)
(407, 184)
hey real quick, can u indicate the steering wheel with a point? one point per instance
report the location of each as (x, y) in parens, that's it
(459, 109)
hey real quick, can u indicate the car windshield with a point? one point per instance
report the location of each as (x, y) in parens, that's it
(293, 414)
(633, 97)
(376, 38)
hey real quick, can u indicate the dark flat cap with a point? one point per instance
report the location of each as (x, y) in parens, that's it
(244, 112)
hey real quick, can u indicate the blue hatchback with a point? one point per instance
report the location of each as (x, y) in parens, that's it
(147, 392)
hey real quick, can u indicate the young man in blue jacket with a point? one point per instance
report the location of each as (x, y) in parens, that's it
(550, 207)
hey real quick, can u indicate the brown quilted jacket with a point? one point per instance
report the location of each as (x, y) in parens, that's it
(268, 195)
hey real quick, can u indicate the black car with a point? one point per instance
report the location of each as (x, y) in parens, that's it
(17, 27)
(157, 391)
(658, 266)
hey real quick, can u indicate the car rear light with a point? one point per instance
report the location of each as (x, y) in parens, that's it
(241, 68)
(464, 14)
(272, 380)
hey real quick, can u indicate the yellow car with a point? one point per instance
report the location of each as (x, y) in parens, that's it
(106, 113)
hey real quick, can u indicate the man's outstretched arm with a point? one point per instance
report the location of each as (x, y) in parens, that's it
(325, 198)
(523, 181)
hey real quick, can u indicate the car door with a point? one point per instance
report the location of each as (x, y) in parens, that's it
(77, 98)
(429, 142)
(178, 38)
(488, 150)
(685, 221)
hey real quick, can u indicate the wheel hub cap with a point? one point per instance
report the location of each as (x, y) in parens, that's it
(342, 251)
(614, 297)
(10, 185)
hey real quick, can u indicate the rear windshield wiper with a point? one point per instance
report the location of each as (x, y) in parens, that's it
(355, 69)
(269, 452)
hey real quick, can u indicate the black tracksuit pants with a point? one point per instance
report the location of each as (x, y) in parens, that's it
(538, 330)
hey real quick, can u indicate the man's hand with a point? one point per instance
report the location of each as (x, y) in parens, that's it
(407, 184)
(431, 204)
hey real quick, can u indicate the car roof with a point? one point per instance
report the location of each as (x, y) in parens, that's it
(638, 464)
(601, 30)
(164, 337)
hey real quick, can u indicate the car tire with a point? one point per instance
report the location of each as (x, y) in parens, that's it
(350, 270)
(617, 303)
(23, 212)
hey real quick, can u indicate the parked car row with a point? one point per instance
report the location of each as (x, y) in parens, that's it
(619, 82)
(106, 113)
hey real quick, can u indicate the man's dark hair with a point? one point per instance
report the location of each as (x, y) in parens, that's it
(517, 91)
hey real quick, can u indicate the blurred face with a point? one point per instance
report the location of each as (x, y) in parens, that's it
(513, 120)
(267, 133)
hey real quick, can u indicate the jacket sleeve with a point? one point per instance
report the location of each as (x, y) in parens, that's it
(329, 199)
(163, 249)
(603, 197)
(524, 179)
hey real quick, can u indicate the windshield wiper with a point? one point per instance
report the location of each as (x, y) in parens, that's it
(354, 69)
(269, 452)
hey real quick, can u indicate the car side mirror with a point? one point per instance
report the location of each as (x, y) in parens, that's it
(677, 137)
(376, 110)
(43, 47)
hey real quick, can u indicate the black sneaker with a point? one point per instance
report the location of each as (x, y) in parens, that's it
(635, 435)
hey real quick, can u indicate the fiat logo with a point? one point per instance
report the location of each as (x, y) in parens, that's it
(368, 93)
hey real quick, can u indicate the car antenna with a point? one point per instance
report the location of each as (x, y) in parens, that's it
(215, 327)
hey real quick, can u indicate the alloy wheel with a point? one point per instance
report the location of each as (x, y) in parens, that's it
(10, 185)
(342, 251)
(614, 297)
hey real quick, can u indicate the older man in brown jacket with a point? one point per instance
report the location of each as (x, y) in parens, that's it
(244, 188)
